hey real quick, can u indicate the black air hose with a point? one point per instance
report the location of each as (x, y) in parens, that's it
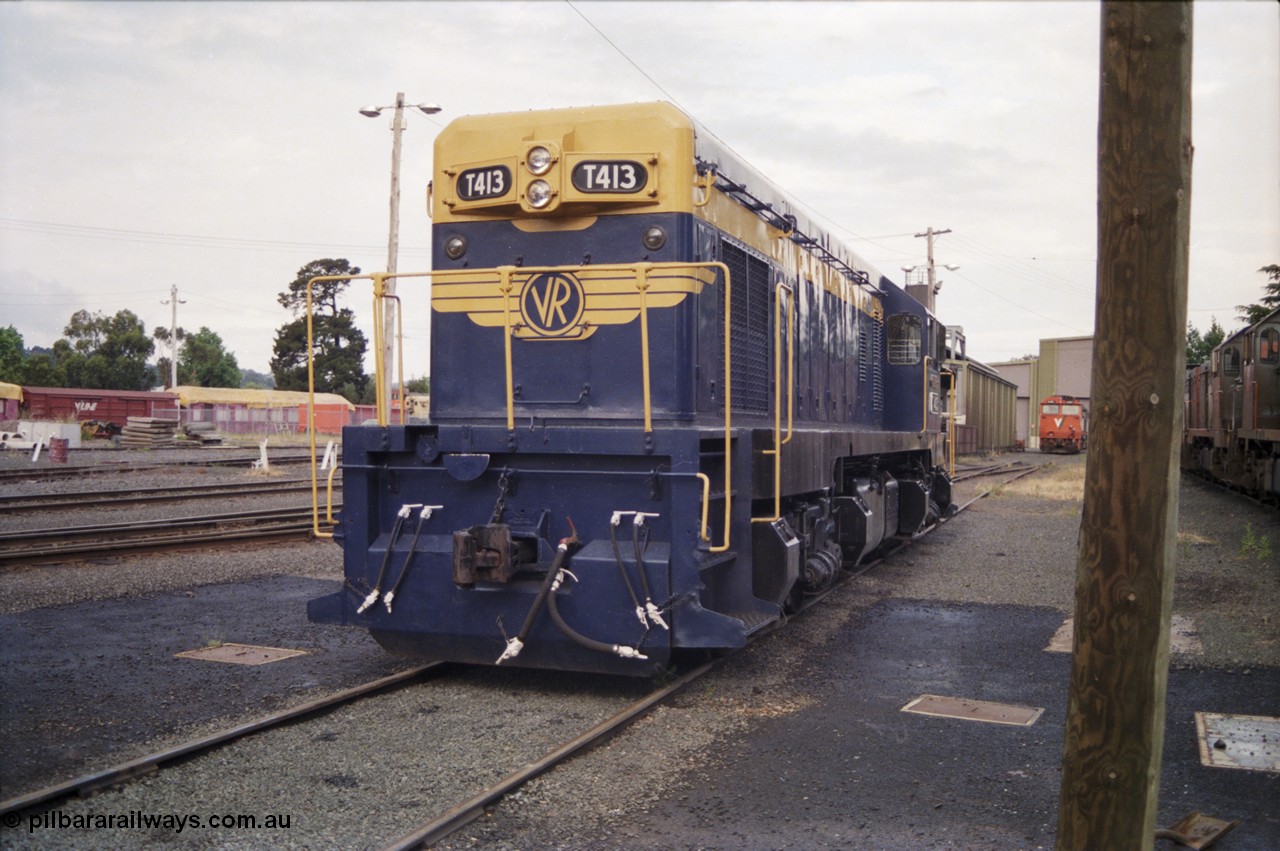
(580, 639)
(515, 645)
(404, 512)
(423, 516)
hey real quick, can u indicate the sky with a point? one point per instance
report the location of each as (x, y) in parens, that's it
(217, 147)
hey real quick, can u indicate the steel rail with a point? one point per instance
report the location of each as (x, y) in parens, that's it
(53, 545)
(467, 811)
(464, 813)
(60, 471)
(15, 503)
(124, 772)
(992, 470)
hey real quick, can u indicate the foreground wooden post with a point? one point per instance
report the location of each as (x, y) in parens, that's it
(1124, 581)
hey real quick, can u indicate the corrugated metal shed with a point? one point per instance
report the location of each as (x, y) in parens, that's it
(986, 408)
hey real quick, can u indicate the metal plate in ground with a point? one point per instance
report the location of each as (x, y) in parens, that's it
(1249, 742)
(1199, 830)
(974, 710)
(241, 654)
(1184, 638)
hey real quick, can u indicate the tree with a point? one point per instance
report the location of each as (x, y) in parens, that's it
(1251, 313)
(339, 346)
(204, 362)
(12, 354)
(105, 352)
(1199, 346)
(41, 370)
(257, 380)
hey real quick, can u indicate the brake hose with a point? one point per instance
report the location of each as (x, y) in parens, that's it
(589, 643)
(654, 614)
(622, 568)
(515, 645)
(401, 516)
(423, 516)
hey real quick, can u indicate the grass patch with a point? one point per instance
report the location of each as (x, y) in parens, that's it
(1065, 484)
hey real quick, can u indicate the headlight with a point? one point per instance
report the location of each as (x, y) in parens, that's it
(538, 160)
(654, 238)
(455, 246)
(538, 194)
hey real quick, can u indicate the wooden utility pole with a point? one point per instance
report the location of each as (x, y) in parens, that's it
(1124, 580)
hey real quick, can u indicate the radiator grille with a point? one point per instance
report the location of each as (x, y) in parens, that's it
(877, 366)
(749, 333)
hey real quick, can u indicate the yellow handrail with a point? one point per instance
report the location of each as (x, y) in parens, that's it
(778, 439)
(642, 284)
(506, 286)
(791, 360)
(705, 184)
(951, 439)
(728, 410)
(924, 413)
(706, 503)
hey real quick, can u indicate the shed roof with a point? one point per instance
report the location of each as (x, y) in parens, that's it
(190, 395)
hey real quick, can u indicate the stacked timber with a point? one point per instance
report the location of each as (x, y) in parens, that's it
(149, 433)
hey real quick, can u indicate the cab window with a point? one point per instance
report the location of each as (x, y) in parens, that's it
(1231, 361)
(1269, 345)
(905, 339)
(1050, 409)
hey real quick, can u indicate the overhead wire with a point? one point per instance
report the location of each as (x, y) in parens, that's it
(187, 239)
(973, 245)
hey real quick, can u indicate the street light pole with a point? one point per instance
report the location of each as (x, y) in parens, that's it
(393, 238)
(173, 334)
(393, 254)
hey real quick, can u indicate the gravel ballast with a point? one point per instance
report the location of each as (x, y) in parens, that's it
(717, 766)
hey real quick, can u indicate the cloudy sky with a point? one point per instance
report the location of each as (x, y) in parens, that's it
(217, 146)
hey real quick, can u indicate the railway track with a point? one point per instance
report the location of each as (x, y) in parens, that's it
(19, 502)
(458, 815)
(992, 470)
(90, 783)
(43, 546)
(50, 473)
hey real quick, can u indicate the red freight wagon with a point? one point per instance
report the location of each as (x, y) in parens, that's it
(112, 406)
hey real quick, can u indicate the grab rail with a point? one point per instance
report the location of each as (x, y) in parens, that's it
(778, 440)
(642, 271)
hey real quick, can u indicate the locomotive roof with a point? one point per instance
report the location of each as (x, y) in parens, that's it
(1270, 317)
(657, 119)
(711, 149)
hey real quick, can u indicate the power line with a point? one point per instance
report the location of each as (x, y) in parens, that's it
(623, 54)
(188, 239)
(1032, 311)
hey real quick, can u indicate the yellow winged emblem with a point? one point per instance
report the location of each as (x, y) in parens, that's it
(565, 302)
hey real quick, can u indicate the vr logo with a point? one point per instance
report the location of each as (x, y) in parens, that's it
(552, 304)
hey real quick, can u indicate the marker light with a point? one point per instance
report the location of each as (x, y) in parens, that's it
(654, 238)
(455, 246)
(538, 193)
(538, 160)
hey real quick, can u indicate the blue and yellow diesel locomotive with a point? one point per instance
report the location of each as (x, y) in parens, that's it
(665, 406)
